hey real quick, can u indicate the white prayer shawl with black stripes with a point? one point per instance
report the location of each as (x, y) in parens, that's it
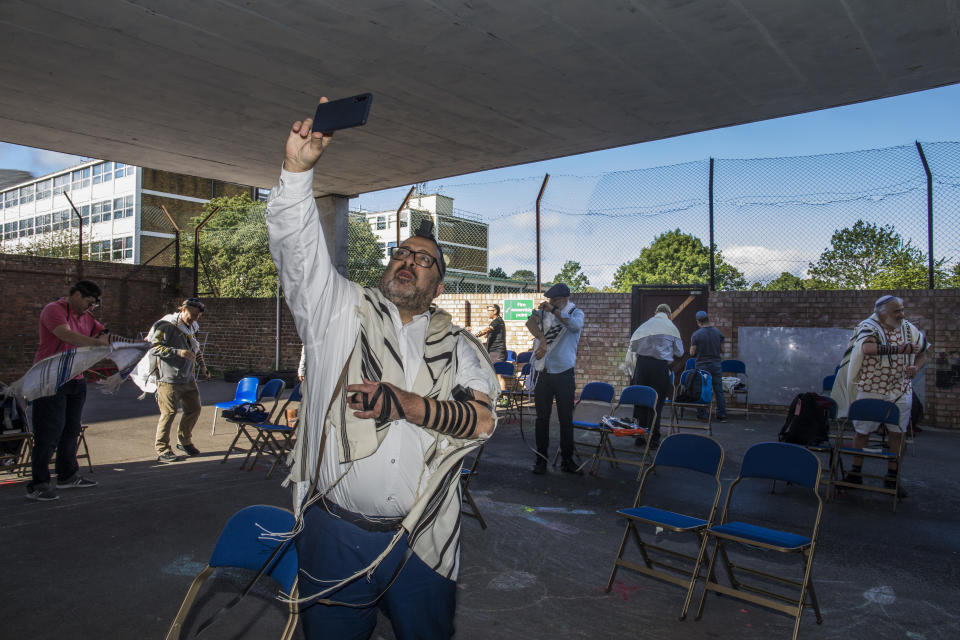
(552, 329)
(434, 520)
(845, 385)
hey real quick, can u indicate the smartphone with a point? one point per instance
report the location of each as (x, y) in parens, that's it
(343, 113)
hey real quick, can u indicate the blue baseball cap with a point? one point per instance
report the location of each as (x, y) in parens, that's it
(701, 315)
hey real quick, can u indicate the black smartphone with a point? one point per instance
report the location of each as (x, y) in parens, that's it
(343, 113)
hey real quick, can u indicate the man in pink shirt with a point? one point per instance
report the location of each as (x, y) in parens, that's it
(64, 324)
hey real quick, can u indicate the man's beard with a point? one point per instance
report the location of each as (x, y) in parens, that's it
(415, 300)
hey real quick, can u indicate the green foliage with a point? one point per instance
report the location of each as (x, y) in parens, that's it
(234, 254)
(870, 256)
(786, 281)
(524, 274)
(364, 254)
(497, 272)
(677, 258)
(572, 274)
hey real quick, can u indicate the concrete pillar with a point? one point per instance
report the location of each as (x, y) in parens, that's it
(334, 213)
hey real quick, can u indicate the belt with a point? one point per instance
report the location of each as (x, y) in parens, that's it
(378, 524)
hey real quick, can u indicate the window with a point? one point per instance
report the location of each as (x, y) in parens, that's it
(102, 172)
(263, 194)
(26, 227)
(100, 250)
(61, 184)
(97, 173)
(122, 249)
(26, 193)
(43, 223)
(122, 170)
(381, 223)
(101, 211)
(43, 189)
(80, 179)
(10, 231)
(123, 207)
(10, 198)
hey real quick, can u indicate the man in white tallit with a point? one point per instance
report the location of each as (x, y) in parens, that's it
(657, 344)
(556, 328)
(395, 397)
(176, 354)
(884, 355)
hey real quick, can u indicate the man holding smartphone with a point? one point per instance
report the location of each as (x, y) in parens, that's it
(64, 324)
(396, 396)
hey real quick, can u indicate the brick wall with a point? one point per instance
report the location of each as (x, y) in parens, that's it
(134, 297)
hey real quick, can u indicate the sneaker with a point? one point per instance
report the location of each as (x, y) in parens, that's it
(77, 482)
(569, 467)
(41, 494)
(539, 467)
(189, 449)
(168, 457)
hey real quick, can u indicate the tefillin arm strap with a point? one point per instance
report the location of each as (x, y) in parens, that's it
(457, 417)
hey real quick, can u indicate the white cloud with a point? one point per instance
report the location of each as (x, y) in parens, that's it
(763, 263)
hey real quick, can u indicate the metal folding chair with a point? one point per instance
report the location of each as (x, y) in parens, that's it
(245, 392)
(677, 420)
(765, 461)
(274, 438)
(874, 410)
(698, 454)
(636, 395)
(507, 371)
(272, 389)
(246, 543)
(469, 507)
(594, 402)
(738, 370)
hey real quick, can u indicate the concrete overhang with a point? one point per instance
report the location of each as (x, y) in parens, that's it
(209, 87)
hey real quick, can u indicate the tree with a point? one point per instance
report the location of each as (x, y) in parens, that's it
(870, 256)
(234, 253)
(497, 272)
(364, 253)
(524, 274)
(675, 257)
(786, 281)
(572, 275)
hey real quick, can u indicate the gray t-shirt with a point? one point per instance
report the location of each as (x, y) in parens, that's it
(708, 341)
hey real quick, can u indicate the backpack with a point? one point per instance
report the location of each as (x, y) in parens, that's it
(695, 386)
(247, 412)
(807, 420)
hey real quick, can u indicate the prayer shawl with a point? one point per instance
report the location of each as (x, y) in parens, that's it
(145, 375)
(659, 325)
(845, 386)
(552, 329)
(434, 520)
(47, 376)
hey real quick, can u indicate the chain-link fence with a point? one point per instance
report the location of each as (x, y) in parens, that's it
(860, 220)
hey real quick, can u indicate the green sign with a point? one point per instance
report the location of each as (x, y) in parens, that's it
(517, 310)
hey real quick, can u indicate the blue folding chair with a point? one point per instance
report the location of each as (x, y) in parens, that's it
(511, 356)
(828, 383)
(765, 461)
(245, 544)
(274, 438)
(694, 453)
(636, 395)
(738, 370)
(873, 410)
(524, 357)
(594, 402)
(245, 392)
(272, 389)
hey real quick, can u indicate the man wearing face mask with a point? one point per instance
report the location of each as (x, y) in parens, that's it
(64, 324)
(175, 346)
(884, 355)
(556, 327)
(395, 397)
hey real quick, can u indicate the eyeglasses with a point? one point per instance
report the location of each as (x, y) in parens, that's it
(422, 258)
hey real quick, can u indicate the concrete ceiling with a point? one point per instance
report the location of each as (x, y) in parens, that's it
(209, 87)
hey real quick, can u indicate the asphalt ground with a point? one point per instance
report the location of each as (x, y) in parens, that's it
(115, 561)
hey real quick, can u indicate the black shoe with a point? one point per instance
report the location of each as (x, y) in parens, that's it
(168, 456)
(539, 468)
(721, 418)
(891, 483)
(569, 467)
(189, 449)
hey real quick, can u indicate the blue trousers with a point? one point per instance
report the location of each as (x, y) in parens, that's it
(420, 603)
(718, 398)
(56, 427)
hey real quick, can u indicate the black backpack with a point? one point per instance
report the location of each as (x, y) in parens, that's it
(694, 387)
(807, 420)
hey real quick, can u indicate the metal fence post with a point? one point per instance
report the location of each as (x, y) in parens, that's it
(713, 279)
(80, 241)
(543, 188)
(926, 169)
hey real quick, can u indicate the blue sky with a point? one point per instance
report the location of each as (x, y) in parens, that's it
(508, 193)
